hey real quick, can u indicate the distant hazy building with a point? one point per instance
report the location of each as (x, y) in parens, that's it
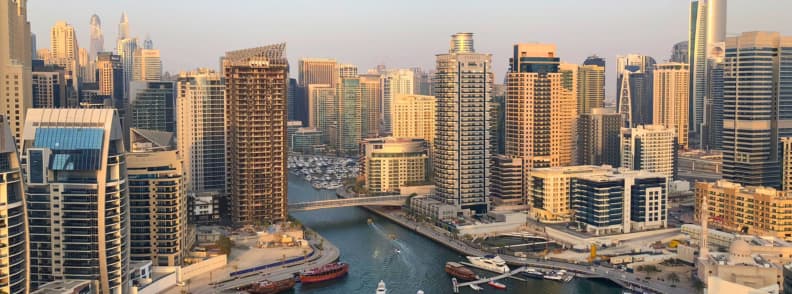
(508, 181)
(598, 137)
(390, 163)
(371, 104)
(123, 27)
(414, 116)
(463, 148)
(291, 99)
(620, 201)
(256, 118)
(125, 48)
(422, 84)
(152, 105)
(755, 83)
(64, 49)
(590, 88)
(201, 130)
(707, 29)
(306, 140)
(679, 53)
(313, 71)
(323, 111)
(15, 64)
(97, 37)
(77, 188)
(349, 119)
(671, 99)
(158, 207)
(651, 147)
(146, 65)
(347, 71)
(634, 89)
(548, 190)
(394, 82)
(291, 127)
(49, 86)
(540, 109)
(594, 60)
(15, 260)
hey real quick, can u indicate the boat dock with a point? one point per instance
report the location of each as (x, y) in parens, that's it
(487, 280)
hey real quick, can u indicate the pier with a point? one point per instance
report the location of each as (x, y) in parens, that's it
(487, 280)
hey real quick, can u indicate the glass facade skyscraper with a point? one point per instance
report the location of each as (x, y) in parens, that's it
(152, 106)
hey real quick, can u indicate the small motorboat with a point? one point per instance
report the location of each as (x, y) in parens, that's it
(381, 288)
(496, 285)
(476, 287)
(397, 250)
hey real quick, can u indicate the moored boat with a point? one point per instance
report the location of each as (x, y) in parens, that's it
(381, 288)
(533, 273)
(270, 287)
(459, 271)
(554, 275)
(324, 273)
(496, 285)
(491, 263)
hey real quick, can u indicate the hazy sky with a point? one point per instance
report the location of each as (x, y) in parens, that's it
(398, 33)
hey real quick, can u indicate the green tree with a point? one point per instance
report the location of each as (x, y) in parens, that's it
(673, 277)
(225, 244)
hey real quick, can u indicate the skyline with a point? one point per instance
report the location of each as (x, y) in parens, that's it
(398, 23)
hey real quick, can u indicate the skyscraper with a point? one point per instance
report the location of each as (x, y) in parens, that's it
(598, 137)
(97, 37)
(414, 116)
(394, 82)
(707, 28)
(15, 260)
(64, 52)
(110, 72)
(591, 84)
(313, 71)
(152, 106)
(649, 147)
(324, 113)
(679, 53)
(256, 85)
(371, 104)
(15, 64)
(291, 99)
(757, 99)
(123, 27)
(49, 86)
(201, 129)
(78, 204)
(126, 48)
(146, 65)
(671, 99)
(464, 131)
(634, 89)
(540, 108)
(348, 107)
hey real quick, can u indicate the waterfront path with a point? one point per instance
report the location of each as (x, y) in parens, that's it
(624, 279)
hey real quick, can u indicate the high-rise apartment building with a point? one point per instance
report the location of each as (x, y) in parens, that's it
(754, 210)
(291, 97)
(349, 118)
(146, 65)
(671, 99)
(201, 130)
(508, 181)
(786, 165)
(347, 71)
(324, 114)
(650, 147)
(707, 29)
(422, 84)
(464, 142)
(590, 87)
(15, 64)
(540, 108)
(634, 89)
(49, 86)
(159, 228)
(152, 106)
(110, 73)
(414, 116)
(14, 235)
(620, 201)
(313, 71)
(371, 104)
(394, 82)
(756, 109)
(125, 48)
(598, 137)
(77, 198)
(64, 48)
(391, 163)
(97, 37)
(256, 85)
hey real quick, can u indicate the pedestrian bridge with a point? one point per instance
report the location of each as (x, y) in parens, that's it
(392, 200)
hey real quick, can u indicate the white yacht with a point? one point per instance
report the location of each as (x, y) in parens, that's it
(491, 263)
(381, 288)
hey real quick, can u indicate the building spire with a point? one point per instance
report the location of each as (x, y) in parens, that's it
(123, 27)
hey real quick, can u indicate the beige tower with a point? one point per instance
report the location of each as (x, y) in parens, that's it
(146, 65)
(540, 107)
(15, 64)
(256, 84)
(371, 99)
(65, 51)
(671, 94)
(414, 117)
